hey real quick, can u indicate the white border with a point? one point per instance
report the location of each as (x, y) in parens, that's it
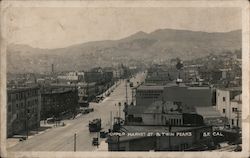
(244, 5)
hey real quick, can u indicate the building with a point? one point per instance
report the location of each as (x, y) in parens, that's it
(147, 94)
(229, 104)
(56, 102)
(162, 114)
(87, 91)
(71, 77)
(187, 96)
(23, 109)
(211, 116)
(161, 138)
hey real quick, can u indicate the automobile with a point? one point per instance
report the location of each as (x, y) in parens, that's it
(131, 84)
(103, 134)
(90, 109)
(86, 110)
(108, 94)
(22, 139)
(95, 142)
(50, 120)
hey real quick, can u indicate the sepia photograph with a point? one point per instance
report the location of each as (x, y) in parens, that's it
(107, 77)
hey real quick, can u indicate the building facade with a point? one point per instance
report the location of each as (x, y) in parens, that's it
(57, 102)
(147, 94)
(175, 139)
(187, 96)
(23, 110)
(229, 104)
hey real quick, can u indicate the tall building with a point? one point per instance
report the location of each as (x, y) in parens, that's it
(23, 109)
(229, 104)
(147, 94)
(186, 96)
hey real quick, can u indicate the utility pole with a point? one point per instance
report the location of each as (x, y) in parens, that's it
(126, 91)
(119, 112)
(75, 142)
(110, 120)
(97, 136)
(238, 117)
(26, 116)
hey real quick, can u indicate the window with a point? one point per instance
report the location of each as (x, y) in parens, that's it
(224, 111)
(232, 122)
(224, 99)
(16, 105)
(180, 122)
(234, 109)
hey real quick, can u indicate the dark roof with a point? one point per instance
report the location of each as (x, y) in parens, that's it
(207, 112)
(150, 87)
(231, 89)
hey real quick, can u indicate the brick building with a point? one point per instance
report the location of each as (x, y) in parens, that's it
(57, 102)
(23, 109)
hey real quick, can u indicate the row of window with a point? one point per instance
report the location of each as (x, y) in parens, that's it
(21, 105)
(22, 114)
(233, 110)
(21, 95)
(235, 122)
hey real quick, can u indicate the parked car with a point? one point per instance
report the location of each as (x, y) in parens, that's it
(95, 142)
(86, 110)
(50, 120)
(103, 134)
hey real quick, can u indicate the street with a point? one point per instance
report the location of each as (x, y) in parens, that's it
(62, 138)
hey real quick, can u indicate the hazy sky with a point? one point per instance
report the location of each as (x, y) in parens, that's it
(61, 27)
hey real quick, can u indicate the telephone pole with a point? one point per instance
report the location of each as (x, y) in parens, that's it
(126, 91)
(75, 142)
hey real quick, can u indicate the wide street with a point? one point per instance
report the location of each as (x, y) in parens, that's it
(62, 138)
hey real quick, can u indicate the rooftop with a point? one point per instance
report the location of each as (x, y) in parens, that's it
(55, 91)
(231, 89)
(207, 112)
(150, 87)
(19, 89)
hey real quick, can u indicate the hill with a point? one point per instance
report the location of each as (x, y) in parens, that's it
(142, 47)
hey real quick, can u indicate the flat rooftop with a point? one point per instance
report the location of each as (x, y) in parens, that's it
(151, 87)
(20, 89)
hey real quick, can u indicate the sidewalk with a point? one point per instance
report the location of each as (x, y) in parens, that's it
(14, 140)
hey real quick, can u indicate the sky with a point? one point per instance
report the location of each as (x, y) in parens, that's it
(61, 27)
